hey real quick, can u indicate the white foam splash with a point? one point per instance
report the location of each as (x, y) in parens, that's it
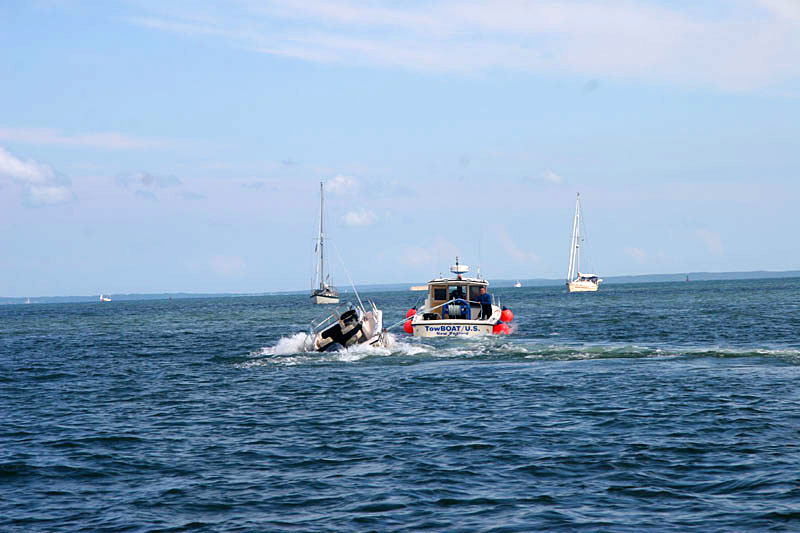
(296, 350)
(297, 343)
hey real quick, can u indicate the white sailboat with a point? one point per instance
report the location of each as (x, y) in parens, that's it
(517, 285)
(323, 293)
(578, 281)
(105, 298)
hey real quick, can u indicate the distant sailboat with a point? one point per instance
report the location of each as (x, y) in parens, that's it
(518, 285)
(28, 300)
(578, 281)
(324, 293)
(105, 298)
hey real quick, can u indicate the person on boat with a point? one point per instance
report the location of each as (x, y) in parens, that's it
(457, 292)
(485, 299)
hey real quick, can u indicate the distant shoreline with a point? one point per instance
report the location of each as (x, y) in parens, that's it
(533, 282)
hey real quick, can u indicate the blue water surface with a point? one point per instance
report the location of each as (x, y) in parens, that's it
(661, 407)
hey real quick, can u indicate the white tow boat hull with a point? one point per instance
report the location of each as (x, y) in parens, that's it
(452, 328)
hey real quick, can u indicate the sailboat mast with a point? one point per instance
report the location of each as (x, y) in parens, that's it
(578, 235)
(574, 244)
(321, 239)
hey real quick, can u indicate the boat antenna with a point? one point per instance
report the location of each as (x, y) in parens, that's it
(480, 243)
(360, 303)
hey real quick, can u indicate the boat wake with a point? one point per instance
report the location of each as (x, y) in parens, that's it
(294, 350)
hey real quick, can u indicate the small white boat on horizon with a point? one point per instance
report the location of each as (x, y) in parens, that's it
(324, 293)
(517, 285)
(105, 298)
(578, 281)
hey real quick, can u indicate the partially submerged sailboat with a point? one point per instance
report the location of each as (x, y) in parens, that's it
(452, 308)
(324, 293)
(346, 326)
(578, 281)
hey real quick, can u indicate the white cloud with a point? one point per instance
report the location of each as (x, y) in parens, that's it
(729, 45)
(146, 195)
(637, 254)
(48, 194)
(42, 185)
(190, 195)
(552, 177)
(500, 234)
(435, 255)
(47, 136)
(711, 240)
(30, 171)
(342, 184)
(147, 180)
(360, 218)
(226, 265)
(416, 256)
(785, 9)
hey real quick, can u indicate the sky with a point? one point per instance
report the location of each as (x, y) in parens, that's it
(150, 146)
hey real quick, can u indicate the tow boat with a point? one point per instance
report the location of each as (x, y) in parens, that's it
(451, 309)
(346, 326)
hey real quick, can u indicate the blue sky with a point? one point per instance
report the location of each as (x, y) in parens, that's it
(150, 148)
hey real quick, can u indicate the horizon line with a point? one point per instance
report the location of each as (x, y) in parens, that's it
(398, 285)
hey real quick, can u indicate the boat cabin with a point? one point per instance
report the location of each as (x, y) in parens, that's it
(447, 289)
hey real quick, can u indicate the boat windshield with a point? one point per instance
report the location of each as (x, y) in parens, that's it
(457, 291)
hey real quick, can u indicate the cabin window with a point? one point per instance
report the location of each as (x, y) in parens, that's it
(474, 292)
(457, 291)
(439, 293)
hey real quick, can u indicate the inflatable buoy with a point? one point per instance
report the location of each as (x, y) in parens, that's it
(507, 315)
(408, 328)
(501, 329)
(411, 312)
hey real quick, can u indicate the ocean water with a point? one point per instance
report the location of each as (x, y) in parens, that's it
(658, 407)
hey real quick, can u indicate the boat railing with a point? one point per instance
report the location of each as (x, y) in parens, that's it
(324, 322)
